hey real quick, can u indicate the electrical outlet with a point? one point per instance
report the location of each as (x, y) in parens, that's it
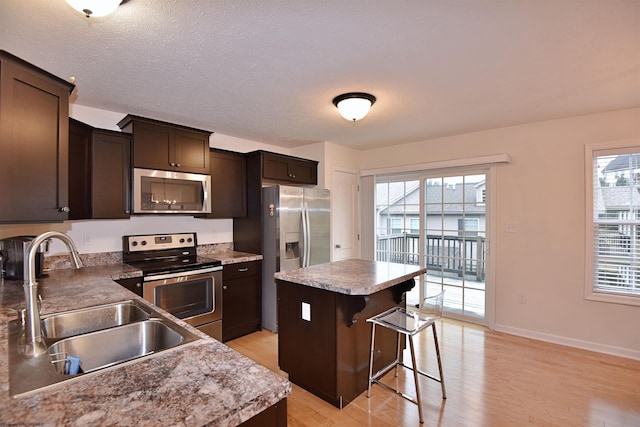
(306, 311)
(88, 239)
(522, 299)
(511, 227)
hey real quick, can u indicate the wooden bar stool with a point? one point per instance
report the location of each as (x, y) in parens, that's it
(408, 323)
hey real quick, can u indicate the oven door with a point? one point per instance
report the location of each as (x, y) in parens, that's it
(194, 297)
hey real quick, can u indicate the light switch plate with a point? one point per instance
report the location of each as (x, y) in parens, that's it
(306, 311)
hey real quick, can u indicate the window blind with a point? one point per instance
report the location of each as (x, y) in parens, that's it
(616, 221)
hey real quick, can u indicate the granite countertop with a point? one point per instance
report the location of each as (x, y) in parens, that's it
(199, 383)
(352, 276)
(229, 256)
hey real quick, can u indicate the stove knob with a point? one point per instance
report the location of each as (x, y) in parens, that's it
(134, 243)
(189, 240)
(181, 240)
(143, 243)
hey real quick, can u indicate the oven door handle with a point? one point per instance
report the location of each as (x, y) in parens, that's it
(190, 273)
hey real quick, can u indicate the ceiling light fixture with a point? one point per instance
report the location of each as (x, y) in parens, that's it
(95, 8)
(354, 105)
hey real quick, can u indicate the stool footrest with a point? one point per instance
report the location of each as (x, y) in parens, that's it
(396, 391)
(376, 377)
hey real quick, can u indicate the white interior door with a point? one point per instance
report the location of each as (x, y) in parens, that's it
(344, 211)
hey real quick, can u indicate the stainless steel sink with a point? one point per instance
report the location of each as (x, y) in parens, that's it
(93, 319)
(100, 337)
(98, 350)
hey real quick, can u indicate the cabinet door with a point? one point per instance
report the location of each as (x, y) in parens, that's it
(34, 135)
(134, 284)
(110, 175)
(241, 299)
(190, 152)
(79, 170)
(287, 169)
(275, 167)
(228, 172)
(151, 146)
(303, 172)
(99, 170)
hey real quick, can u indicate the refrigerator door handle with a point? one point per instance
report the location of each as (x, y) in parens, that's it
(306, 236)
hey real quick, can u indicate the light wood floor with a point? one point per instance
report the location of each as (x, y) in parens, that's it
(492, 379)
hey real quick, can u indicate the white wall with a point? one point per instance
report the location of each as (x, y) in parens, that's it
(542, 192)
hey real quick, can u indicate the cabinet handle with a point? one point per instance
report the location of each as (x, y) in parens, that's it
(177, 165)
(242, 270)
(65, 209)
(224, 288)
(338, 246)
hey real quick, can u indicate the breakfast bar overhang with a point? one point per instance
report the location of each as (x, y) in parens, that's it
(323, 336)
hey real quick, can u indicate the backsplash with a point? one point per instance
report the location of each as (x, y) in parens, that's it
(59, 262)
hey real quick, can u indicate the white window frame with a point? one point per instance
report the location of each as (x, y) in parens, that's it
(591, 150)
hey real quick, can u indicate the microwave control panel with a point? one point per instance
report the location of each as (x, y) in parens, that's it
(155, 242)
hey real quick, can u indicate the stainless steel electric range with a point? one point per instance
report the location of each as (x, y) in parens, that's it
(176, 279)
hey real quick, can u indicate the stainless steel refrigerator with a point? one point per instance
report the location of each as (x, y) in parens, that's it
(295, 227)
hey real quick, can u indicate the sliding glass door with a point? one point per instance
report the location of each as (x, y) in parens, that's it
(453, 241)
(437, 221)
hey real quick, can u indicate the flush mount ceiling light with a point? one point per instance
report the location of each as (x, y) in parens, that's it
(95, 8)
(354, 105)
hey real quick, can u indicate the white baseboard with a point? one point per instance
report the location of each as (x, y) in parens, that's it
(571, 342)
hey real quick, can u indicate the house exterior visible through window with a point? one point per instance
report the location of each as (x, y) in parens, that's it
(616, 221)
(468, 227)
(395, 225)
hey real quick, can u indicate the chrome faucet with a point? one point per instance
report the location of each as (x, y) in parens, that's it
(33, 339)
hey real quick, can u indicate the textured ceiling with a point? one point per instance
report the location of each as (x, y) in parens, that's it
(267, 70)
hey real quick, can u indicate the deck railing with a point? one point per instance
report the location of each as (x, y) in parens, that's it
(451, 254)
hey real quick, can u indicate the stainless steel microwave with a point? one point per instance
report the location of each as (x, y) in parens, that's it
(167, 192)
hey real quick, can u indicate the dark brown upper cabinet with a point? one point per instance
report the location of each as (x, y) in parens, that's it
(167, 146)
(99, 172)
(279, 168)
(228, 172)
(267, 168)
(34, 143)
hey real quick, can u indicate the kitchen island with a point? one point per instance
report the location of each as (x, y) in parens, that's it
(323, 336)
(200, 383)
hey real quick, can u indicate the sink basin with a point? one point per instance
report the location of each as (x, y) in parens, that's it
(92, 319)
(99, 337)
(98, 350)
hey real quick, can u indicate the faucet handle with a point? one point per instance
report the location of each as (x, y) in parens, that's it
(39, 303)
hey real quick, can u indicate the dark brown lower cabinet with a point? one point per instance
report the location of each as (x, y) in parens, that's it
(134, 284)
(328, 355)
(241, 299)
(273, 416)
